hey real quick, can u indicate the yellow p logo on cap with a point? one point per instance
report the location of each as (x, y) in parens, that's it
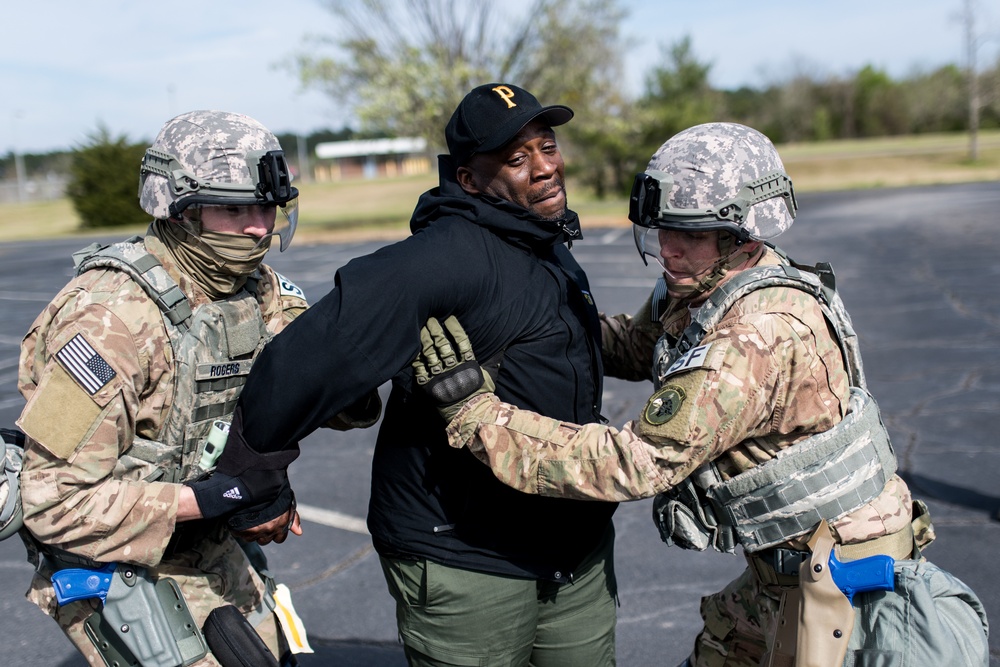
(506, 94)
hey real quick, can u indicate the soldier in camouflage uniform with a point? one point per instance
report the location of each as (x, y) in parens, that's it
(760, 433)
(129, 366)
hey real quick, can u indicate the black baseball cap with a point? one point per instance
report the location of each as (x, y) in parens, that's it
(491, 115)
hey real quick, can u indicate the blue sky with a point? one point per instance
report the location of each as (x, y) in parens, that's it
(68, 65)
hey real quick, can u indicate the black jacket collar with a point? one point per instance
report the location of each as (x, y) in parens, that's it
(502, 217)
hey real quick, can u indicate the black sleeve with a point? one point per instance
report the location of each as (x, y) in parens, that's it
(361, 334)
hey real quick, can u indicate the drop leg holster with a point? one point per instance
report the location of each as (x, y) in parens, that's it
(145, 623)
(815, 618)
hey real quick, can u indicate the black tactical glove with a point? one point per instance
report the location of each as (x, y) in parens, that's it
(223, 495)
(256, 515)
(449, 378)
(362, 413)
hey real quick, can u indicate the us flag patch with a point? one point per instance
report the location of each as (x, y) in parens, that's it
(85, 365)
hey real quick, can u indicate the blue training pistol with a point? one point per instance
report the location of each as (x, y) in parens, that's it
(77, 583)
(874, 573)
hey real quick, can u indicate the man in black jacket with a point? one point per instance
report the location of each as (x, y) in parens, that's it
(481, 574)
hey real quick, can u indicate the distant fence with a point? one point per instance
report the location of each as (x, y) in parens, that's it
(33, 189)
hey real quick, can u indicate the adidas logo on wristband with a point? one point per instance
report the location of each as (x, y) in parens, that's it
(233, 494)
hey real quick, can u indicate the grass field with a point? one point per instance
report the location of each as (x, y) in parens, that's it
(371, 208)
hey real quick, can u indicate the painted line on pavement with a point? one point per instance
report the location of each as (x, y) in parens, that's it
(332, 519)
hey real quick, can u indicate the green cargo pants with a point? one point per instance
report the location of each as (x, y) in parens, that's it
(450, 616)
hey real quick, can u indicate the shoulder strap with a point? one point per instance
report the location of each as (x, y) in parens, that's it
(132, 257)
(819, 281)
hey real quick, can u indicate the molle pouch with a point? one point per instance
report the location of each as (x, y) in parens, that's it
(678, 524)
(233, 640)
(932, 618)
(686, 519)
(678, 515)
(11, 456)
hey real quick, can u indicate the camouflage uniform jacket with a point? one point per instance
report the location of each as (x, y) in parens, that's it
(773, 375)
(75, 495)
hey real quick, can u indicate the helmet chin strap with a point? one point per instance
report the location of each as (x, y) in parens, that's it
(730, 256)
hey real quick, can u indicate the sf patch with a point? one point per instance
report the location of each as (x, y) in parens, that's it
(664, 404)
(696, 357)
(85, 365)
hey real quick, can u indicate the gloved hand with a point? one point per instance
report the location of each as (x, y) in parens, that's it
(257, 515)
(449, 378)
(246, 481)
(251, 491)
(363, 413)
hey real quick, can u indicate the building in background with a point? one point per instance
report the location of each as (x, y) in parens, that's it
(370, 158)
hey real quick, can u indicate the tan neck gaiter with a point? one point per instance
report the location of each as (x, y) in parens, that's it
(208, 258)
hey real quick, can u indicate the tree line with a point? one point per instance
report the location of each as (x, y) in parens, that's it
(401, 67)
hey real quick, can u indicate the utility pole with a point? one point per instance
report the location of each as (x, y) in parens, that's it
(304, 171)
(971, 46)
(19, 170)
(18, 163)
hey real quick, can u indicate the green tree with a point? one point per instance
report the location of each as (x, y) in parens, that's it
(989, 88)
(575, 58)
(402, 66)
(878, 108)
(104, 177)
(603, 154)
(677, 96)
(791, 111)
(937, 101)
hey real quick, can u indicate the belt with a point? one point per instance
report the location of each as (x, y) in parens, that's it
(778, 566)
(899, 545)
(59, 559)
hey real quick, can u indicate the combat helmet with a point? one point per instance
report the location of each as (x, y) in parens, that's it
(217, 158)
(11, 513)
(715, 176)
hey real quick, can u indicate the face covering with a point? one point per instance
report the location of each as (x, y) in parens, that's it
(219, 262)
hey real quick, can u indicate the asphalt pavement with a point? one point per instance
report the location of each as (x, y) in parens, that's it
(918, 269)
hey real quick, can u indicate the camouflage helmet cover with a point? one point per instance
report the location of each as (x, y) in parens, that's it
(711, 165)
(217, 147)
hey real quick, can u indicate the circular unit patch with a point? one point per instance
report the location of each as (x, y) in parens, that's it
(664, 404)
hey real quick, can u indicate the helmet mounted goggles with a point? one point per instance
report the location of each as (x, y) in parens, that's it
(271, 185)
(649, 204)
(271, 182)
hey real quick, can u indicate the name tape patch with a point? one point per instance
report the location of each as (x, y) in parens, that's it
(223, 370)
(85, 365)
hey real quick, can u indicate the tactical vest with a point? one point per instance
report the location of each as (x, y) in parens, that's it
(825, 476)
(213, 346)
